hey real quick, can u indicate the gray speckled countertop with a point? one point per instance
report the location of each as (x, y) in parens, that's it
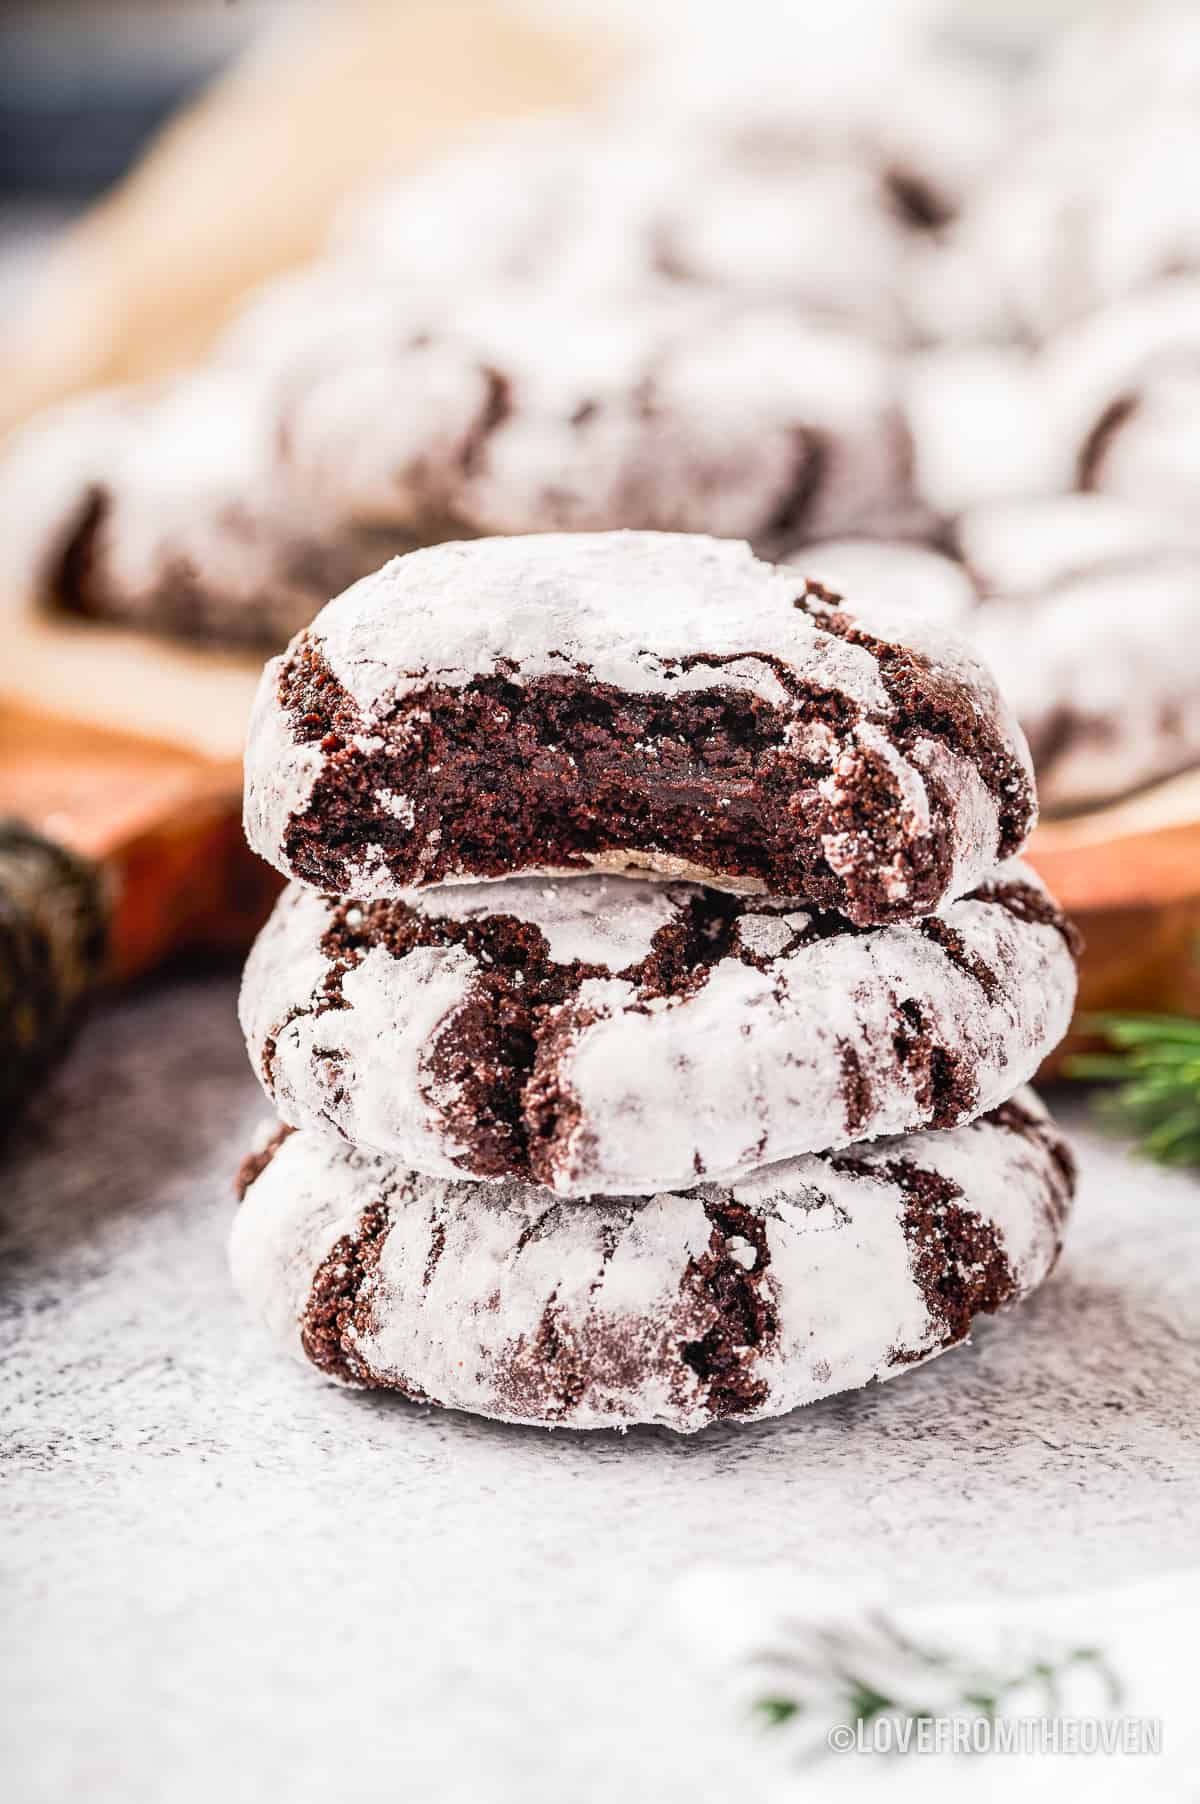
(229, 1581)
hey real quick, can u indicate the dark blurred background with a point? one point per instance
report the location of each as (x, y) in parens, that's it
(84, 82)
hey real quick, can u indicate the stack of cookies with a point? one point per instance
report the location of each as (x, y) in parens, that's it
(651, 1001)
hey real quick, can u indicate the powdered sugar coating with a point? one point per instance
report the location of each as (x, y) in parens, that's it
(905, 577)
(1022, 547)
(341, 422)
(983, 428)
(530, 407)
(1087, 619)
(1109, 62)
(597, 921)
(769, 199)
(1076, 219)
(628, 606)
(48, 471)
(484, 209)
(817, 87)
(808, 1278)
(785, 1036)
(646, 613)
(1132, 369)
(164, 506)
(1112, 697)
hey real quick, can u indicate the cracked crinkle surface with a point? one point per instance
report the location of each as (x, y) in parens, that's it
(806, 1278)
(632, 700)
(605, 1034)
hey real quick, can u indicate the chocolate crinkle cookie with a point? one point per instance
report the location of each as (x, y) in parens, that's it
(164, 509)
(701, 1304)
(530, 408)
(632, 701)
(610, 1036)
(623, 209)
(340, 425)
(799, 176)
(1124, 397)
(1075, 219)
(1083, 606)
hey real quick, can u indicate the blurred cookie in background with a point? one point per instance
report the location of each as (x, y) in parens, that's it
(982, 428)
(928, 117)
(230, 504)
(800, 170)
(1084, 609)
(1087, 620)
(236, 190)
(1111, 58)
(1073, 219)
(161, 509)
(527, 410)
(1124, 390)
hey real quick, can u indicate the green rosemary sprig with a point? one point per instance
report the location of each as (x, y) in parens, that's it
(867, 1668)
(1154, 1066)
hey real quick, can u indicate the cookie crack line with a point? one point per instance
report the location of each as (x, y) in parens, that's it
(729, 1281)
(929, 706)
(958, 1259)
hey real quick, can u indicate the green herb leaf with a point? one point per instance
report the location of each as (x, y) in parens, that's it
(1155, 1074)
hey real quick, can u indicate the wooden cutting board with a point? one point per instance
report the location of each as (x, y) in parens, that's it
(162, 820)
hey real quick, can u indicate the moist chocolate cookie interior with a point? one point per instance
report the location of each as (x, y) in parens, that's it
(494, 1069)
(504, 774)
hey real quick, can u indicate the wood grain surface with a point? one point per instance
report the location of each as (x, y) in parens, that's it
(162, 821)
